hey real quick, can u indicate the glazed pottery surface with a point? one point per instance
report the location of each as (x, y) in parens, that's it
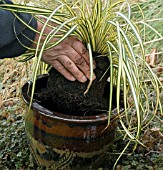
(60, 141)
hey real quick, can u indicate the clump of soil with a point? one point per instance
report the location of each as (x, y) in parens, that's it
(68, 97)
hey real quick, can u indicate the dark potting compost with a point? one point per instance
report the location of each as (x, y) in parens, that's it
(62, 95)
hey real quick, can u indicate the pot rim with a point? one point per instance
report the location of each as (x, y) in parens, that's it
(61, 116)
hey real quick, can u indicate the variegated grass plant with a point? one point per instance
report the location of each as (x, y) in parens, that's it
(104, 29)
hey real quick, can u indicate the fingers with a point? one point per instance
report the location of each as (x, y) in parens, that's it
(72, 68)
(80, 63)
(61, 68)
(79, 55)
(81, 50)
(70, 58)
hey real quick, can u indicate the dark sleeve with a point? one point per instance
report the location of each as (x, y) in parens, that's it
(10, 39)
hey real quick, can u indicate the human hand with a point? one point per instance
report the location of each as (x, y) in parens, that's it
(70, 57)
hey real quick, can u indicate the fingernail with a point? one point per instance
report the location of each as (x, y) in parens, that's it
(83, 79)
(72, 78)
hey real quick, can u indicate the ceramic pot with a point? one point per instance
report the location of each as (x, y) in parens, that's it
(60, 141)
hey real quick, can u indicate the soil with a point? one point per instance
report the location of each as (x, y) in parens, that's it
(68, 97)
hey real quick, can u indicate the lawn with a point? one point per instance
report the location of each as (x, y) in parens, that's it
(14, 152)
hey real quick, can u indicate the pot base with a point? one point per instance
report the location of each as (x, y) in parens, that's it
(65, 159)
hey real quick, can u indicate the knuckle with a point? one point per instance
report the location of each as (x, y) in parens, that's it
(69, 64)
(80, 62)
(83, 50)
(78, 45)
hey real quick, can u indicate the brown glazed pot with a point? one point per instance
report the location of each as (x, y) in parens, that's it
(60, 141)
